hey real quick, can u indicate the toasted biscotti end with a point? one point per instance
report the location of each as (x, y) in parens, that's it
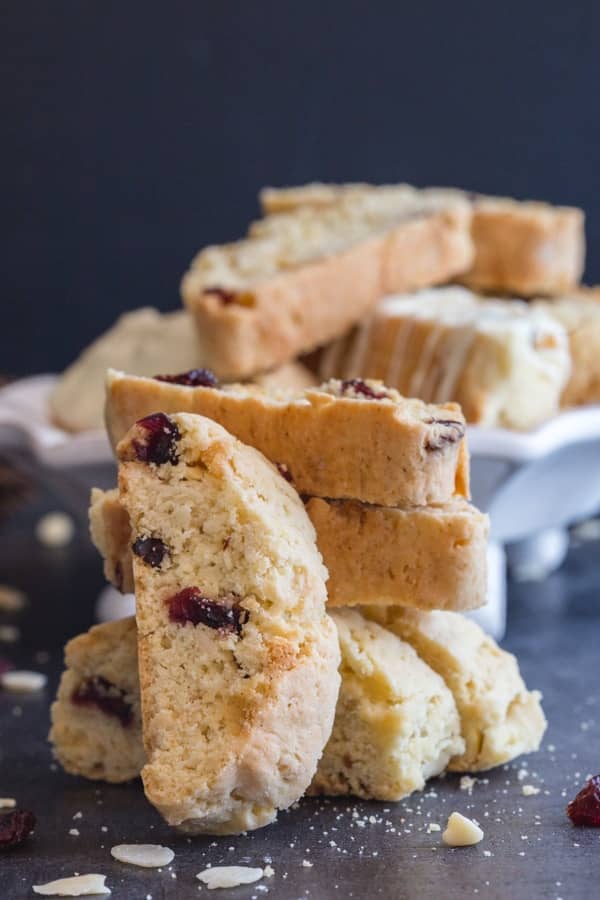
(579, 313)
(302, 278)
(352, 439)
(96, 719)
(427, 557)
(396, 724)
(110, 532)
(143, 341)
(237, 657)
(526, 248)
(500, 717)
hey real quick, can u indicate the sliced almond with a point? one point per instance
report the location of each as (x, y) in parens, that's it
(229, 876)
(149, 856)
(77, 886)
(461, 832)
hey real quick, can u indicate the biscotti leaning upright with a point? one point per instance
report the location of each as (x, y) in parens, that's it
(352, 439)
(301, 278)
(237, 657)
(520, 247)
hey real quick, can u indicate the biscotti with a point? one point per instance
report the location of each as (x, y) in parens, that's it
(526, 248)
(396, 724)
(143, 342)
(427, 557)
(500, 718)
(302, 278)
(505, 362)
(96, 719)
(344, 439)
(579, 314)
(237, 657)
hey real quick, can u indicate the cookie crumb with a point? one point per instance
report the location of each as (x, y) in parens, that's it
(433, 826)
(78, 886)
(467, 783)
(23, 682)
(148, 856)
(268, 871)
(306, 863)
(461, 831)
(229, 876)
(55, 529)
(74, 832)
(529, 790)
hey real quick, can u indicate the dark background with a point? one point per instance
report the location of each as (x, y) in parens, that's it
(134, 133)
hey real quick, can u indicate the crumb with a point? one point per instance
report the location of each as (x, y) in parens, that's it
(55, 529)
(306, 864)
(268, 871)
(7, 802)
(433, 826)
(74, 832)
(529, 790)
(467, 783)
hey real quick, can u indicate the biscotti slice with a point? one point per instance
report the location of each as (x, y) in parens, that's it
(500, 718)
(143, 342)
(343, 439)
(96, 719)
(302, 278)
(425, 556)
(505, 362)
(526, 248)
(396, 724)
(429, 557)
(237, 657)
(579, 314)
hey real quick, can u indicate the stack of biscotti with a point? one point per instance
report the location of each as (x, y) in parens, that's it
(384, 479)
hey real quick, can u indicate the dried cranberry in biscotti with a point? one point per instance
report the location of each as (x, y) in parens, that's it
(159, 441)
(191, 605)
(106, 696)
(193, 378)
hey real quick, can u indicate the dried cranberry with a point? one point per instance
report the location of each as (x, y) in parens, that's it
(193, 378)
(191, 605)
(160, 443)
(151, 550)
(585, 808)
(226, 297)
(284, 471)
(110, 699)
(443, 432)
(358, 386)
(15, 827)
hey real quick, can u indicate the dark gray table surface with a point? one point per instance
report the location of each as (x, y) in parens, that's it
(361, 850)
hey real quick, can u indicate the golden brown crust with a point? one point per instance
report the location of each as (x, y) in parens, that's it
(426, 557)
(390, 452)
(299, 308)
(521, 247)
(525, 248)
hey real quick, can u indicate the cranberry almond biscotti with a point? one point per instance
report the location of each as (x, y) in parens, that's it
(397, 722)
(96, 717)
(352, 439)
(428, 557)
(504, 361)
(237, 657)
(500, 718)
(302, 278)
(527, 248)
